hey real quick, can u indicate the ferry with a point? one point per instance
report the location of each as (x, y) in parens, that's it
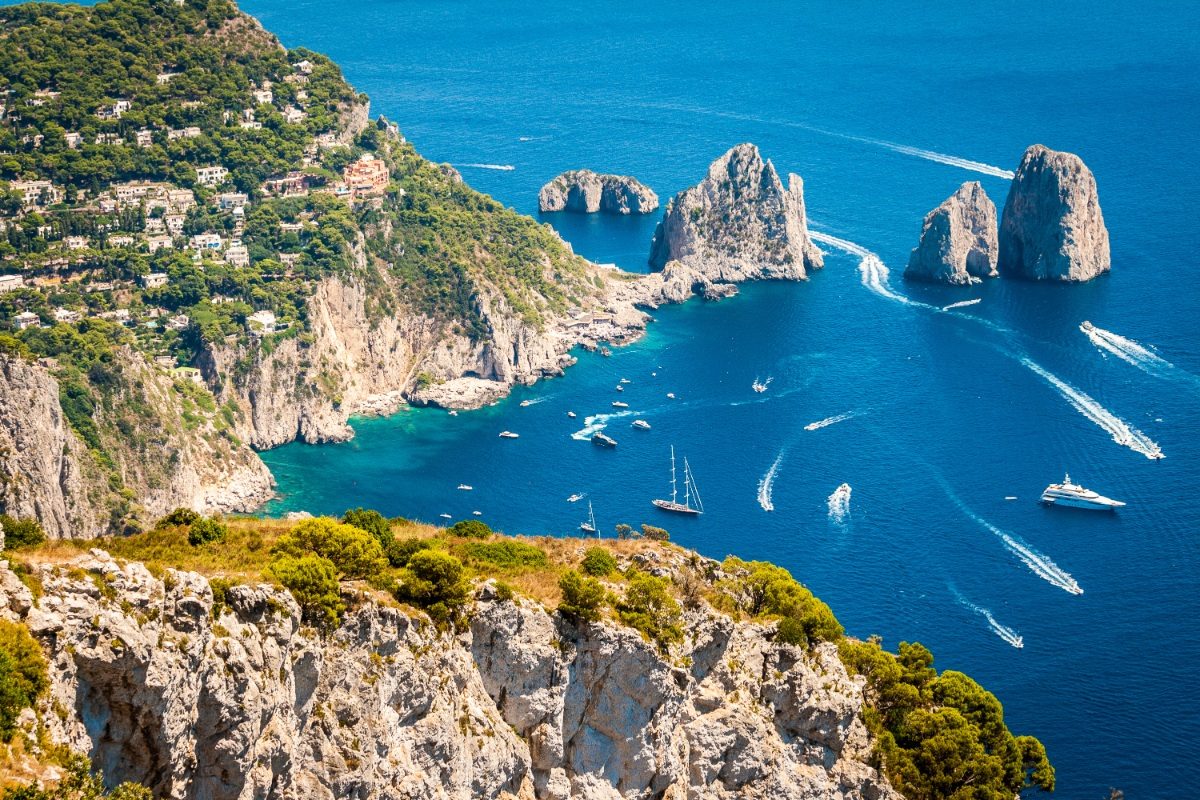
(1075, 496)
(509, 435)
(641, 424)
(690, 492)
(619, 404)
(600, 440)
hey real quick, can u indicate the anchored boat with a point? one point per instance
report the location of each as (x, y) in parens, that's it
(590, 525)
(690, 492)
(1075, 496)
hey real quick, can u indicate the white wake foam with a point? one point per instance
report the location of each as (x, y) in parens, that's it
(963, 304)
(825, 423)
(501, 167)
(1003, 631)
(839, 503)
(941, 158)
(873, 272)
(1038, 563)
(596, 423)
(1129, 351)
(1120, 431)
(766, 485)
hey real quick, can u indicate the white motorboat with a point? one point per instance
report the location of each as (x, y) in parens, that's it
(1075, 496)
(619, 404)
(670, 395)
(641, 424)
(509, 435)
(462, 487)
(575, 497)
(571, 414)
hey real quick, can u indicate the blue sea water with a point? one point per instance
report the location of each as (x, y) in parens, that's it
(951, 412)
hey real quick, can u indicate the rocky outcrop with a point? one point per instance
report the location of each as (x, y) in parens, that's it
(958, 240)
(161, 685)
(1052, 227)
(587, 192)
(738, 224)
(147, 438)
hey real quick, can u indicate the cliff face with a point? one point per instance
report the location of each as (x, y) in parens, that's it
(958, 240)
(738, 224)
(240, 701)
(587, 192)
(151, 440)
(1052, 227)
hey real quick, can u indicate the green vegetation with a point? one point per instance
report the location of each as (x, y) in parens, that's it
(597, 561)
(942, 736)
(470, 529)
(436, 581)
(582, 597)
(21, 533)
(654, 533)
(353, 552)
(313, 582)
(649, 607)
(507, 554)
(761, 589)
(206, 531)
(77, 783)
(23, 676)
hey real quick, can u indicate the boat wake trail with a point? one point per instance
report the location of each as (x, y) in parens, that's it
(963, 304)
(767, 485)
(839, 503)
(1117, 428)
(596, 423)
(1003, 631)
(871, 268)
(1132, 352)
(501, 167)
(825, 423)
(941, 158)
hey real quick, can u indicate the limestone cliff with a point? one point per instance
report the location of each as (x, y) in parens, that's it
(161, 684)
(739, 223)
(587, 192)
(958, 240)
(1052, 227)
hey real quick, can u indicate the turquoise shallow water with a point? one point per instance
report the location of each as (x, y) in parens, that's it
(952, 412)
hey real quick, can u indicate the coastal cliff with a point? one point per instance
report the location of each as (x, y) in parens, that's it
(738, 224)
(958, 240)
(1052, 227)
(586, 192)
(233, 697)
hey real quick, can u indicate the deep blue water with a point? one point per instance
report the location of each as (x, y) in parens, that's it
(948, 419)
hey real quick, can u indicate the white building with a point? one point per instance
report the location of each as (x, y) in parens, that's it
(76, 242)
(35, 194)
(154, 280)
(211, 176)
(26, 319)
(261, 322)
(145, 137)
(263, 96)
(156, 243)
(237, 256)
(206, 241)
(120, 240)
(9, 283)
(231, 200)
(292, 115)
(174, 223)
(190, 132)
(67, 315)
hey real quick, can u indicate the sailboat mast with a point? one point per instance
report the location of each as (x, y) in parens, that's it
(674, 490)
(687, 484)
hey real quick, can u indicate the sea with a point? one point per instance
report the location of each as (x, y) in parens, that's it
(946, 423)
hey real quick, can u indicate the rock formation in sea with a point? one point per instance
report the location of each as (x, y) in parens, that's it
(587, 192)
(739, 223)
(1052, 227)
(958, 240)
(230, 696)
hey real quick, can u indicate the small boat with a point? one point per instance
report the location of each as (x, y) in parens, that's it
(626, 380)
(690, 492)
(670, 395)
(1010, 497)
(604, 351)
(509, 435)
(526, 403)
(589, 526)
(453, 413)
(571, 414)
(445, 516)
(653, 374)
(760, 386)
(464, 487)
(575, 497)
(619, 404)
(641, 424)
(620, 388)
(1075, 496)
(477, 513)
(600, 440)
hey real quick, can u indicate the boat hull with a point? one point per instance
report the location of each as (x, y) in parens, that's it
(1101, 504)
(675, 508)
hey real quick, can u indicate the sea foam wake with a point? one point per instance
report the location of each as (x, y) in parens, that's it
(941, 158)
(596, 423)
(1133, 353)
(873, 271)
(825, 423)
(1003, 631)
(1120, 431)
(501, 167)
(839, 503)
(766, 485)
(963, 304)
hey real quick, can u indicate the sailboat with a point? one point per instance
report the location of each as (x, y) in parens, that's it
(590, 525)
(690, 492)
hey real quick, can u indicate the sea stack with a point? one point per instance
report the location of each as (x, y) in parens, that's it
(738, 224)
(587, 192)
(958, 240)
(1052, 228)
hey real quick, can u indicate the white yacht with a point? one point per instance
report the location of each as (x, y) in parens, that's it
(509, 435)
(571, 414)
(619, 404)
(1075, 496)
(463, 487)
(641, 424)
(690, 492)
(575, 497)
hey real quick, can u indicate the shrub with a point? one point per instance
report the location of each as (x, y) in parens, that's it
(401, 550)
(763, 589)
(649, 607)
(372, 522)
(471, 529)
(180, 516)
(313, 581)
(78, 783)
(508, 554)
(20, 533)
(23, 676)
(655, 534)
(436, 581)
(354, 552)
(582, 597)
(624, 531)
(205, 530)
(599, 562)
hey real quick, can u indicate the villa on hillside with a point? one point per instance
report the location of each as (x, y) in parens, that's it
(366, 177)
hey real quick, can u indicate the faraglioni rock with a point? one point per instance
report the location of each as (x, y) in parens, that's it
(739, 223)
(587, 192)
(1052, 227)
(958, 240)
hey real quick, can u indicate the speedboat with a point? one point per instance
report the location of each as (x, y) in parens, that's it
(619, 404)
(641, 424)
(571, 414)
(670, 395)
(509, 435)
(620, 388)
(477, 513)
(625, 380)
(1075, 496)
(575, 498)
(600, 440)
(464, 488)
(453, 413)
(445, 516)
(526, 403)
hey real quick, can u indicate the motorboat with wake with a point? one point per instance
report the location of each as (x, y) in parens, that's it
(600, 440)
(690, 492)
(575, 498)
(1073, 495)
(641, 424)
(761, 386)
